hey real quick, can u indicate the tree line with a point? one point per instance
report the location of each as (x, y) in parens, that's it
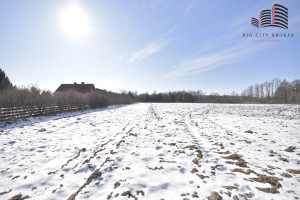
(274, 91)
(13, 96)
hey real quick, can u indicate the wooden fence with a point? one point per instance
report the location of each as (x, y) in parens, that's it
(32, 111)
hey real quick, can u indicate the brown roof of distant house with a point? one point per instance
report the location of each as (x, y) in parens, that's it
(82, 88)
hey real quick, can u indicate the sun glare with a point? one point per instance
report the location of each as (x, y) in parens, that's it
(74, 22)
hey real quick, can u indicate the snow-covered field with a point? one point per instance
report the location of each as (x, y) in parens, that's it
(155, 151)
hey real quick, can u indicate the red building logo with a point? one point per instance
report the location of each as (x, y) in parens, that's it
(277, 17)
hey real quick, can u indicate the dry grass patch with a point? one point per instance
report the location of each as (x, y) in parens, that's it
(290, 149)
(19, 197)
(247, 172)
(240, 161)
(293, 171)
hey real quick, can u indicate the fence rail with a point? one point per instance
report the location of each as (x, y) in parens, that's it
(32, 111)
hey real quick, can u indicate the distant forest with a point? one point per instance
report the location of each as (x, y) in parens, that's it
(275, 91)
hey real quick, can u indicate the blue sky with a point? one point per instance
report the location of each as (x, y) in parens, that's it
(161, 45)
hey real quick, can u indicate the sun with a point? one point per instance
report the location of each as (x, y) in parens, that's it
(74, 22)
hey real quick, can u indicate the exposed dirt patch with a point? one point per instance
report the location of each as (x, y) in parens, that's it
(15, 177)
(226, 152)
(247, 195)
(195, 195)
(240, 161)
(293, 171)
(117, 184)
(5, 192)
(194, 170)
(19, 197)
(214, 196)
(196, 161)
(287, 175)
(93, 156)
(268, 190)
(94, 175)
(140, 192)
(109, 196)
(284, 159)
(234, 187)
(233, 157)
(202, 176)
(249, 131)
(167, 161)
(290, 149)
(155, 168)
(129, 194)
(272, 180)
(216, 167)
(199, 154)
(248, 171)
(191, 147)
(81, 150)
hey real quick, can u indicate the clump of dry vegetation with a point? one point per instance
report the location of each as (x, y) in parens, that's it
(290, 149)
(240, 161)
(33, 96)
(13, 96)
(272, 180)
(19, 197)
(293, 171)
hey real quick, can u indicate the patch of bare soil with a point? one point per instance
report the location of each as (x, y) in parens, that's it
(199, 154)
(214, 196)
(196, 161)
(248, 171)
(166, 161)
(216, 167)
(290, 149)
(286, 175)
(191, 147)
(226, 152)
(202, 176)
(140, 192)
(129, 194)
(195, 195)
(109, 196)
(249, 131)
(272, 180)
(194, 170)
(19, 197)
(240, 161)
(293, 171)
(155, 168)
(117, 184)
(94, 175)
(5, 192)
(229, 187)
(247, 195)
(81, 150)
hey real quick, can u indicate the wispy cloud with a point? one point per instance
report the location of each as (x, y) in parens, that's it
(206, 62)
(188, 8)
(214, 53)
(147, 51)
(152, 47)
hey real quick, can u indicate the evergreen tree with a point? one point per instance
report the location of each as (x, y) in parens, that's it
(4, 81)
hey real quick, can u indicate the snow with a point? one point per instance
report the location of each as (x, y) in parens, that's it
(154, 151)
